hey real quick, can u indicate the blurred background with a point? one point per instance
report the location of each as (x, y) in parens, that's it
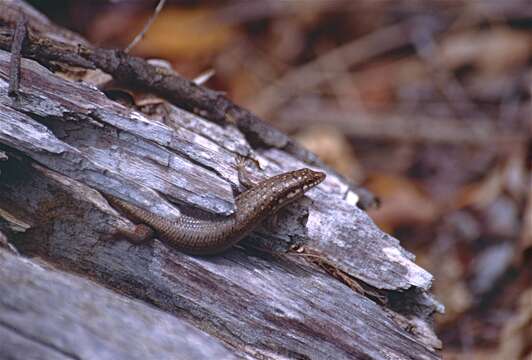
(425, 103)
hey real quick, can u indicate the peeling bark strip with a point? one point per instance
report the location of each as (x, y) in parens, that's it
(65, 140)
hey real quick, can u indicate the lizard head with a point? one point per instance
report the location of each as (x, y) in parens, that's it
(296, 183)
(277, 191)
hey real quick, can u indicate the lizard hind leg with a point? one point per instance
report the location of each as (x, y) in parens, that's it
(140, 234)
(136, 234)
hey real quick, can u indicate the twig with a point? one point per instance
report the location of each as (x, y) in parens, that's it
(318, 259)
(311, 74)
(16, 48)
(425, 46)
(148, 24)
(400, 127)
(4, 243)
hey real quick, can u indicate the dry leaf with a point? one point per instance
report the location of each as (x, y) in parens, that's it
(516, 339)
(493, 51)
(402, 202)
(188, 33)
(333, 148)
(450, 287)
(526, 235)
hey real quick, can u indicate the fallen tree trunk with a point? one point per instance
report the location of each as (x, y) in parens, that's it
(350, 291)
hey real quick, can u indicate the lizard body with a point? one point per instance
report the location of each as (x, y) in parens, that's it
(217, 233)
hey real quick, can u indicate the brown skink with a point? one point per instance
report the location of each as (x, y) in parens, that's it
(217, 233)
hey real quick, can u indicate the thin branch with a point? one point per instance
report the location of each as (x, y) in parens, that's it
(426, 48)
(400, 127)
(312, 75)
(16, 49)
(147, 26)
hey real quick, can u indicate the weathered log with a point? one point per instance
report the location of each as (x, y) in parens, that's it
(66, 141)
